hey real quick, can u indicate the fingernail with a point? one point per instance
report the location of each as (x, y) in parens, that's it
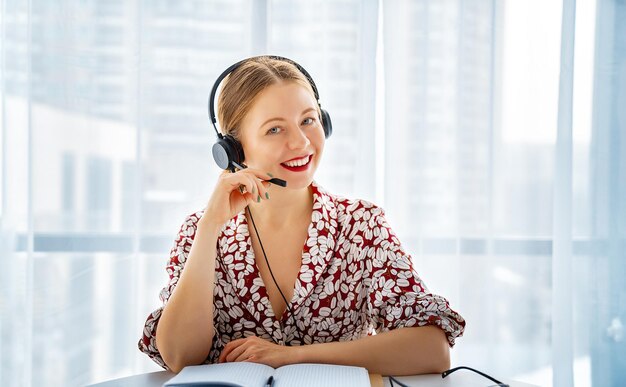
(270, 174)
(267, 195)
(258, 199)
(253, 189)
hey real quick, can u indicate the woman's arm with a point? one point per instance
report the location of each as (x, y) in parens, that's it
(185, 330)
(403, 351)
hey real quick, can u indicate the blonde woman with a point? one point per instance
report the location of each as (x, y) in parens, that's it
(280, 275)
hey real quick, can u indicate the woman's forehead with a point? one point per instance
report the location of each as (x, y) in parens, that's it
(282, 98)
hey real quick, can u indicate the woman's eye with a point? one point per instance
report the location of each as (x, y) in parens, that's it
(308, 121)
(273, 130)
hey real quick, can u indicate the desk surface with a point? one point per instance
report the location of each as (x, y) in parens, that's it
(457, 379)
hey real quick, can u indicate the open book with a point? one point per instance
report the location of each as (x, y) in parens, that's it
(245, 374)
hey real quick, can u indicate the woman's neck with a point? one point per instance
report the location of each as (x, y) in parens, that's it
(285, 208)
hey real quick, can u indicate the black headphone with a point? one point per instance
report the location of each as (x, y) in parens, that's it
(227, 151)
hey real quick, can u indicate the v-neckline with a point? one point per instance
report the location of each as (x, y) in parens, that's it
(264, 299)
(238, 260)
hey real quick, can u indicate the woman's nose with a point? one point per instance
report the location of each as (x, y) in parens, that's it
(298, 139)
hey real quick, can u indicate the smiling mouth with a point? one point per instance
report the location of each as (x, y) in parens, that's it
(299, 165)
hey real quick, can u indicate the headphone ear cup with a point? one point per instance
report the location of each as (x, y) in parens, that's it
(226, 151)
(327, 123)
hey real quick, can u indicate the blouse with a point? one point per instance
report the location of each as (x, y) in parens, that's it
(355, 279)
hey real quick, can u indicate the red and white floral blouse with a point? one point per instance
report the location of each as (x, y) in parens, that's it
(355, 279)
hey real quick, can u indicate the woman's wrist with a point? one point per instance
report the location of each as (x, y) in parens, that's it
(207, 225)
(299, 354)
(316, 353)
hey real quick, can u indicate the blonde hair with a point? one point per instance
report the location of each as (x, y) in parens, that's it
(241, 87)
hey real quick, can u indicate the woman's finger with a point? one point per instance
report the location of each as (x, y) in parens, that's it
(255, 188)
(228, 348)
(263, 189)
(235, 181)
(259, 190)
(245, 354)
(236, 353)
(257, 173)
(263, 184)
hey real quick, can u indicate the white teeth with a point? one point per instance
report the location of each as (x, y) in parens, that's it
(298, 163)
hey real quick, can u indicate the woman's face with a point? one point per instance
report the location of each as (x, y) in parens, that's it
(283, 126)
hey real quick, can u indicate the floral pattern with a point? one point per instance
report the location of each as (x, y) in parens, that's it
(355, 279)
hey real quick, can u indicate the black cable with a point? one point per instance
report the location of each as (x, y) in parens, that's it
(392, 379)
(275, 282)
(448, 372)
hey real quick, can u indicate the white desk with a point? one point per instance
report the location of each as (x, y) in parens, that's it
(461, 378)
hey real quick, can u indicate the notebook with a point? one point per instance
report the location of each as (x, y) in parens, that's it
(245, 374)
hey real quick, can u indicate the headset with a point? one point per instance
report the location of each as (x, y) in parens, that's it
(228, 152)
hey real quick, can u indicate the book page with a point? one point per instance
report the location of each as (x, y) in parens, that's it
(315, 375)
(239, 374)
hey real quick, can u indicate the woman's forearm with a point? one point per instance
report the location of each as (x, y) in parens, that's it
(185, 329)
(404, 351)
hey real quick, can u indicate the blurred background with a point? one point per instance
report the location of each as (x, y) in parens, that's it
(493, 133)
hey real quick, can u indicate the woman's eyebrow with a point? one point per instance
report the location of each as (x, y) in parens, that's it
(282, 119)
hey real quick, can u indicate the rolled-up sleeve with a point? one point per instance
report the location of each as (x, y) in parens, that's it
(398, 297)
(178, 257)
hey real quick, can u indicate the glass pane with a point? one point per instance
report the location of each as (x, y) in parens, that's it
(605, 311)
(83, 107)
(438, 116)
(468, 186)
(87, 314)
(15, 315)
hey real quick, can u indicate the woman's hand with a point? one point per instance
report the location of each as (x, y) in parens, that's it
(256, 350)
(227, 200)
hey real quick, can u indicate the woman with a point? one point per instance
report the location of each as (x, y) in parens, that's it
(356, 300)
